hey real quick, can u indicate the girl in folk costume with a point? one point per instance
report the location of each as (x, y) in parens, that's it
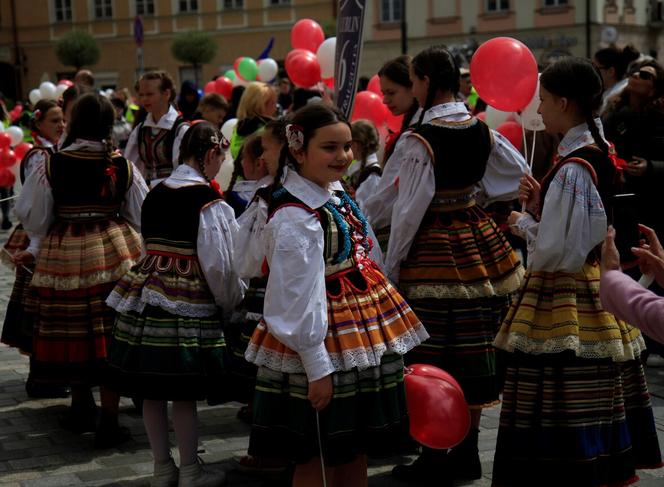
(84, 204)
(168, 344)
(576, 408)
(47, 129)
(364, 174)
(329, 348)
(451, 261)
(154, 145)
(249, 174)
(398, 96)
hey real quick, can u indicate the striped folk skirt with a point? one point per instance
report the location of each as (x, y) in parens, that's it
(17, 328)
(572, 421)
(77, 267)
(367, 415)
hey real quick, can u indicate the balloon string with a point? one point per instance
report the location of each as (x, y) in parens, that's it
(532, 152)
(525, 143)
(320, 449)
(10, 198)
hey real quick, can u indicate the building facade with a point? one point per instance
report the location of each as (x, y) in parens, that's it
(30, 28)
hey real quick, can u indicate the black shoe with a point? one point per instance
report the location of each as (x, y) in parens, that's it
(6, 224)
(464, 458)
(45, 391)
(430, 465)
(110, 437)
(79, 421)
(138, 405)
(246, 415)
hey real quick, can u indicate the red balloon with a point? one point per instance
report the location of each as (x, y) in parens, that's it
(224, 87)
(307, 34)
(288, 62)
(394, 122)
(438, 412)
(7, 157)
(304, 69)
(66, 82)
(329, 82)
(481, 116)
(236, 66)
(513, 132)
(209, 87)
(7, 178)
(5, 140)
(374, 85)
(425, 370)
(369, 106)
(504, 73)
(21, 150)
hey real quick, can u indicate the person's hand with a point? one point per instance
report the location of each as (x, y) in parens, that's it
(320, 392)
(529, 193)
(511, 221)
(610, 256)
(636, 167)
(650, 255)
(23, 257)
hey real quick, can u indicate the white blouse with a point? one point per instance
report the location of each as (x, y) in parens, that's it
(378, 206)
(35, 206)
(295, 309)
(216, 230)
(369, 185)
(165, 122)
(417, 183)
(573, 220)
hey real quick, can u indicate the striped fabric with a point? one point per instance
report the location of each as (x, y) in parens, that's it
(459, 254)
(560, 311)
(17, 328)
(367, 414)
(572, 421)
(366, 319)
(162, 356)
(462, 333)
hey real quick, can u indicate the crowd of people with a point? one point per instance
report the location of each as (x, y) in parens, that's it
(336, 258)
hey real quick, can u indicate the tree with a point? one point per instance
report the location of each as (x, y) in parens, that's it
(78, 48)
(195, 48)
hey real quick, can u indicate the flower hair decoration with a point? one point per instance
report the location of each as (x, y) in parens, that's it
(295, 136)
(37, 114)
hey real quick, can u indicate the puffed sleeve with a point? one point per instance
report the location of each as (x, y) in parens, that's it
(417, 186)
(216, 230)
(36, 159)
(131, 150)
(366, 189)
(295, 309)
(131, 206)
(504, 169)
(34, 206)
(573, 222)
(248, 254)
(176, 144)
(526, 227)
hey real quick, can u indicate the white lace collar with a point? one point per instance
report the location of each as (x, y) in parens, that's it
(578, 137)
(309, 192)
(444, 110)
(184, 175)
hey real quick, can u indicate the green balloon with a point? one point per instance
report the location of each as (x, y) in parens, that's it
(230, 74)
(248, 69)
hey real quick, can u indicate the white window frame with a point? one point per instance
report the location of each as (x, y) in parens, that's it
(189, 10)
(93, 9)
(498, 8)
(390, 15)
(54, 11)
(145, 5)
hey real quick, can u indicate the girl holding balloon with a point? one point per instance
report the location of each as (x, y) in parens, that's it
(329, 347)
(455, 267)
(576, 408)
(154, 144)
(398, 97)
(47, 126)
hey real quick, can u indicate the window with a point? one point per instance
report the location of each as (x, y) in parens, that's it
(554, 3)
(103, 9)
(275, 3)
(231, 4)
(390, 10)
(145, 7)
(497, 5)
(62, 10)
(188, 6)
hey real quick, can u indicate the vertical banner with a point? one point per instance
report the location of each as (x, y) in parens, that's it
(350, 23)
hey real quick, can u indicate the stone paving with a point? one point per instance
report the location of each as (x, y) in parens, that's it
(35, 452)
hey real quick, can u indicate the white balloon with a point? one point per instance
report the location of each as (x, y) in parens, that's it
(529, 118)
(267, 69)
(237, 81)
(60, 89)
(325, 54)
(16, 134)
(48, 90)
(495, 117)
(227, 128)
(34, 96)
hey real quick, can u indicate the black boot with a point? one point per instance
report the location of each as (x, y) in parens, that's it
(464, 458)
(430, 468)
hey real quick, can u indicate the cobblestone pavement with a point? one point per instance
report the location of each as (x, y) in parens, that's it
(34, 452)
